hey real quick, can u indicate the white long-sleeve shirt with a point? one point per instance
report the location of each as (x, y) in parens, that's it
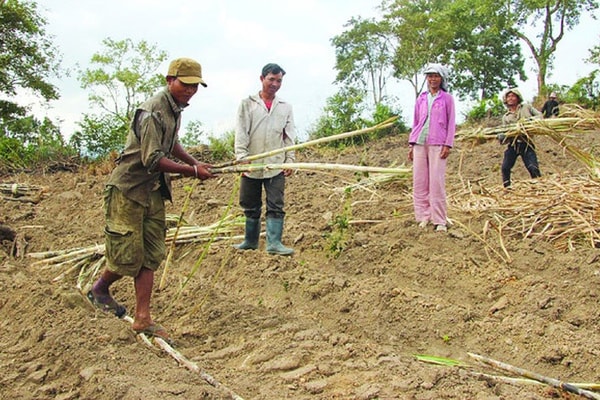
(260, 130)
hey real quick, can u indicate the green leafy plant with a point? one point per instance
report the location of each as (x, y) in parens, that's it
(339, 226)
(222, 148)
(486, 109)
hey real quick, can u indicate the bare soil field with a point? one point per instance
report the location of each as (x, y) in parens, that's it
(323, 323)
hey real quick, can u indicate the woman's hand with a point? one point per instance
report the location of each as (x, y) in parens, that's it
(445, 152)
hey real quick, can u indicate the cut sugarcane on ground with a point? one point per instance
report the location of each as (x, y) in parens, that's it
(516, 278)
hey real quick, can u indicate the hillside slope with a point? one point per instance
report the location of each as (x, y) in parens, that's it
(310, 326)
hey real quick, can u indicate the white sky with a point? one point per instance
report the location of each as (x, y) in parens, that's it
(233, 39)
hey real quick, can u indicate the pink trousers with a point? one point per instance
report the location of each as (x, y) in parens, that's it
(429, 184)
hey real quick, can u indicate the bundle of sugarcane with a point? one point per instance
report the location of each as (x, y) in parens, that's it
(194, 233)
(89, 260)
(86, 260)
(573, 119)
(374, 181)
(563, 212)
(531, 127)
(22, 192)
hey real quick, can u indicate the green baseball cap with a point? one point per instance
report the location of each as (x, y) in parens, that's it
(186, 70)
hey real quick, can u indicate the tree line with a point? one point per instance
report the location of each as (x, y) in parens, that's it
(480, 40)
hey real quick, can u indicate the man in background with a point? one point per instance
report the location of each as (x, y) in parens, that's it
(265, 122)
(522, 145)
(550, 108)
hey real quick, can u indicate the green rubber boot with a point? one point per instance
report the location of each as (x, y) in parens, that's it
(251, 235)
(274, 231)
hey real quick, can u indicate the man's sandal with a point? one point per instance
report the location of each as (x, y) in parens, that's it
(156, 330)
(111, 307)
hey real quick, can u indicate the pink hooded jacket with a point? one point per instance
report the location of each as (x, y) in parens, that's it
(442, 124)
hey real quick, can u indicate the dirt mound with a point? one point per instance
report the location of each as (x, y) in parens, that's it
(341, 319)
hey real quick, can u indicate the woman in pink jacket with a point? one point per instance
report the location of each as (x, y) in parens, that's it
(430, 141)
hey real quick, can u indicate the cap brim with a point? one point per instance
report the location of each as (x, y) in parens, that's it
(191, 80)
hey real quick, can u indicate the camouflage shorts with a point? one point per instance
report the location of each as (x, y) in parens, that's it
(134, 234)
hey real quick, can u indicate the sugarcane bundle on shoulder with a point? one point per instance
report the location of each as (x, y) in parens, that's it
(573, 119)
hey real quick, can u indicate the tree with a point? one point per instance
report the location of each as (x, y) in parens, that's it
(552, 17)
(194, 132)
(416, 40)
(484, 55)
(342, 113)
(585, 92)
(28, 59)
(594, 57)
(100, 134)
(123, 75)
(363, 57)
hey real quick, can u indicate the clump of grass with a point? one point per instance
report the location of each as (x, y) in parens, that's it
(339, 226)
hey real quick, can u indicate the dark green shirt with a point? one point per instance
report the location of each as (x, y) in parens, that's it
(152, 135)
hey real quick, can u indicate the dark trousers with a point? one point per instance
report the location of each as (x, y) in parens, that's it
(527, 153)
(251, 196)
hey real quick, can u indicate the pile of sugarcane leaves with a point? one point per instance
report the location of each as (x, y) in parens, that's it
(514, 375)
(562, 211)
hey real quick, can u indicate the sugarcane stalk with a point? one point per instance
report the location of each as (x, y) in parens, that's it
(19, 189)
(308, 166)
(76, 258)
(181, 359)
(74, 267)
(86, 274)
(53, 253)
(186, 203)
(69, 255)
(535, 376)
(505, 379)
(449, 362)
(213, 239)
(226, 216)
(385, 124)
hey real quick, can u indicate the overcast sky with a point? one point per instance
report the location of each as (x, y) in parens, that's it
(233, 39)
